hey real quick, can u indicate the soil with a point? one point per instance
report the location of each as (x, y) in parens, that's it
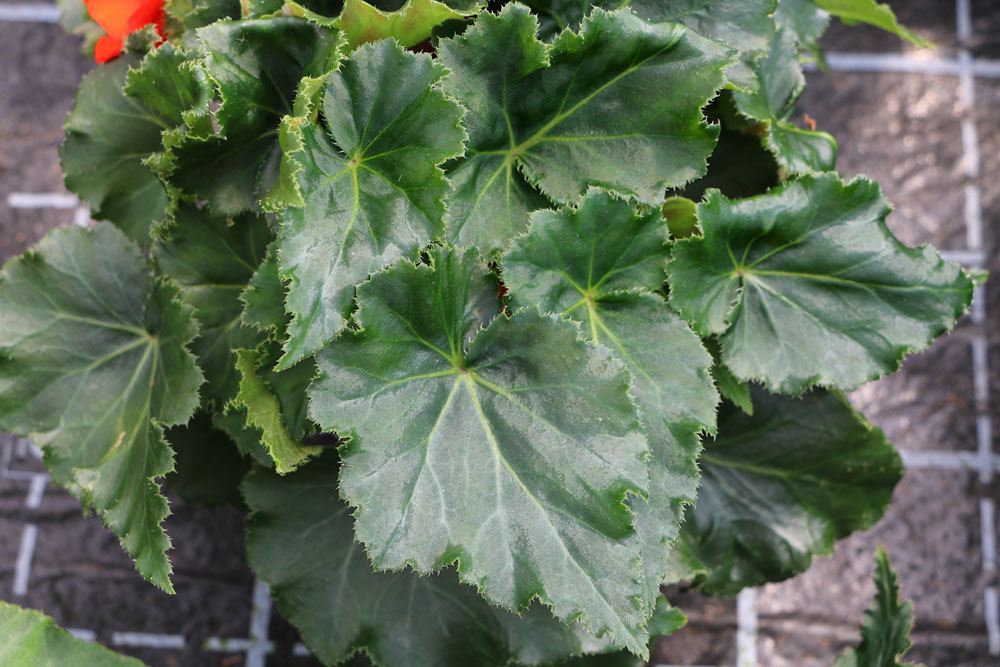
(900, 129)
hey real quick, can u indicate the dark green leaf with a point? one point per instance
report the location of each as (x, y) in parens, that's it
(369, 182)
(508, 449)
(781, 82)
(31, 639)
(212, 258)
(256, 67)
(264, 297)
(806, 285)
(94, 362)
(743, 25)
(567, 116)
(885, 631)
(598, 264)
(109, 134)
(300, 541)
(208, 466)
(782, 486)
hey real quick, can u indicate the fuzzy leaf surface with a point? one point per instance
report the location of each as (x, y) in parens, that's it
(94, 363)
(109, 133)
(256, 66)
(31, 639)
(370, 184)
(300, 541)
(276, 409)
(781, 486)
(598, 265)
(806, 285)
(212, 258)
(781, 79)
(509, 449)
(409, 23)
(557, 119)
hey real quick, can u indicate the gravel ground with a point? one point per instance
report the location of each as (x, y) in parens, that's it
(902, 129)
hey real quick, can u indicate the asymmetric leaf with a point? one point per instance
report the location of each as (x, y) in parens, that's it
(508, 449)
(885, 631)
(598, 265)
(212, 258)
(806, 285)
(369, 182)
(782, 486)
(300, 541)
(93, 363)
(781, 82)
(31, 639)
(109, 134)
(256, 67)
(570, 115)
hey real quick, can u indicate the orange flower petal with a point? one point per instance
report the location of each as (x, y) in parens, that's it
(107, 48)
(149, 12)
(112, 15)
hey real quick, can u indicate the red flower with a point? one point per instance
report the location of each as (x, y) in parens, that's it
(119, 18)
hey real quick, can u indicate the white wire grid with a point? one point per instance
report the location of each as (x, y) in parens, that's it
(983, 460)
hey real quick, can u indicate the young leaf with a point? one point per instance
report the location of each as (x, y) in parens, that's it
(574, 114)
(409, 23)
(212, 258)
(300, 541)
(598, 265)
(508, 449)
(806, 285)
(873, 13)
(94, 362)
(369, 182)
(781, 82)
(885, 631)
(256, 66)
(31, 639)
(782, 486)
(109, 133)
(276, 414)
